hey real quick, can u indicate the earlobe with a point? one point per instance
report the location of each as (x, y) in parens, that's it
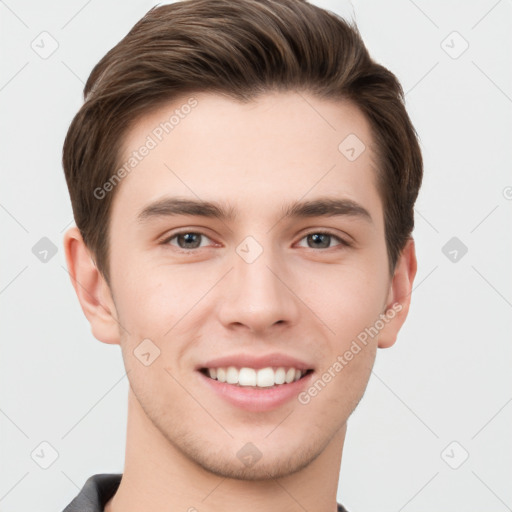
(399, 297)
(91, 288)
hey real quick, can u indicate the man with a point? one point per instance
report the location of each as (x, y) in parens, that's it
(243, 178)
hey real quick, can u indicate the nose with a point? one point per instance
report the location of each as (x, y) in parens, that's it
(259, 295)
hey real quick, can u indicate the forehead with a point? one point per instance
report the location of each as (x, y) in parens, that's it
(276, 149)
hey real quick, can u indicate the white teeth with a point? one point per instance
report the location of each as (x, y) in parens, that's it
(263, 378)
(221, 374)
(247, 377)
(280, 376)
(232, 375)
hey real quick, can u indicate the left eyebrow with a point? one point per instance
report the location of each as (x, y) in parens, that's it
(321, 207)
(327, 207)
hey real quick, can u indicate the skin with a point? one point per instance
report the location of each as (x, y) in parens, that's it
(297, 298)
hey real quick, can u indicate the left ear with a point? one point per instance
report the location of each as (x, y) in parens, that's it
(399, 297)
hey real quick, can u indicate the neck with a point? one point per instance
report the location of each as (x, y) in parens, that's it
(158, 476)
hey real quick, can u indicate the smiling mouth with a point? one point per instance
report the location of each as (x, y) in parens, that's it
(263, 378)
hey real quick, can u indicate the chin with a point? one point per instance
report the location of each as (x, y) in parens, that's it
(261, 461)
(279, 466)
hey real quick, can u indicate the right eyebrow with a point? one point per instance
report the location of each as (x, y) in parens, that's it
(169, 206)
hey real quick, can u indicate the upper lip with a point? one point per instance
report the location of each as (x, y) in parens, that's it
(256, 362)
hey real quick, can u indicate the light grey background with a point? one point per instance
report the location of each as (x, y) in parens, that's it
(447, 379)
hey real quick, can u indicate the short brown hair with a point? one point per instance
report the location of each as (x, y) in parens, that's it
(239, 48)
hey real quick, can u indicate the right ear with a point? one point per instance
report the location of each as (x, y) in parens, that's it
(91, 288)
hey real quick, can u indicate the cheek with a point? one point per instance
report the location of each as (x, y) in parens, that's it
(337, 389)
(346, 298)
(167, 305)
(150, 298)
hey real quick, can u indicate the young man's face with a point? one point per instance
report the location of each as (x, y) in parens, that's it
(256, 285)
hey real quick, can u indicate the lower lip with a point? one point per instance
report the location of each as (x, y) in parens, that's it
(257, 400)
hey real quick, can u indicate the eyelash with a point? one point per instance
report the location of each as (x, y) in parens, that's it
(343, 242)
